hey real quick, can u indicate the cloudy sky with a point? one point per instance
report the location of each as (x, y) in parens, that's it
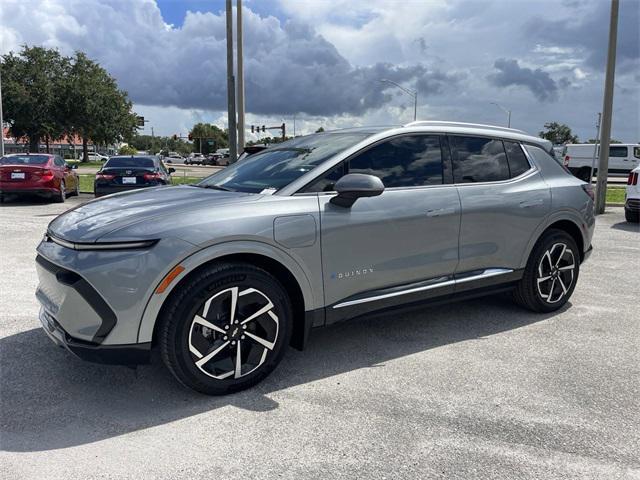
(321, 61)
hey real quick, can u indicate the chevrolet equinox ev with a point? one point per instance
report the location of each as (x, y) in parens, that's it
(222, 276)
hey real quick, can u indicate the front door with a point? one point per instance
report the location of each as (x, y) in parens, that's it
(400, 246)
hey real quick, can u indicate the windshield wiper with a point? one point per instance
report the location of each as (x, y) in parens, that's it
(215, 187)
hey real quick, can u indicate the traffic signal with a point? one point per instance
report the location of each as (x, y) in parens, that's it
(264, 128)
(190, 137)
(175, 137)
(140, 121)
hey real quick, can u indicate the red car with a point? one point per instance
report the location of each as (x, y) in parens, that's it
(38, 173)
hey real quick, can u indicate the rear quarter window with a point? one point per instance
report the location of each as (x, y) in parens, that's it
(518, 163)
(478, 159)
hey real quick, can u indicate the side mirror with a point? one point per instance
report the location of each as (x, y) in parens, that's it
(74, 166)
(354, 186)
(172, 170)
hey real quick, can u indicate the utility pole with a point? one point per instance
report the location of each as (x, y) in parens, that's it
(505, 110)
(412, 93)
(240, 69)
(231, 89)
(595, 148)
(607, 111)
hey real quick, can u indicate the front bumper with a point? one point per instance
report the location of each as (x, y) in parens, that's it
(107, 354)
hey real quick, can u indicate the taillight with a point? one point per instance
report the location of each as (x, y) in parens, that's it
(104, 176)
(588, 189)
(47, 174)
(152, 176)
(566, 160)
(633, 178)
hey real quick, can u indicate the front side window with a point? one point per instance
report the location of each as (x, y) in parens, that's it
(407, 161)
(518, 163)
(278, 166)
(478, 159)
(636, 152)
(617, 151)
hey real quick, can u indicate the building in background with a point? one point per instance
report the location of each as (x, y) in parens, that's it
(67, 147)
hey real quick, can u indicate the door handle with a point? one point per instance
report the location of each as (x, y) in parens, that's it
(440, 211)
(531, 203)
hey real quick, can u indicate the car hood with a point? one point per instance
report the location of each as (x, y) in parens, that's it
(92, 220)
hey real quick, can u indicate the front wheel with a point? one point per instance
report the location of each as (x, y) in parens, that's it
(226, 328)
(551, 273)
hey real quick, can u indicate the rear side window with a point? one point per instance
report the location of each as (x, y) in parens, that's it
(518, 163)
(617, 151)
(407, 161)
(478, 159)
(636, 152)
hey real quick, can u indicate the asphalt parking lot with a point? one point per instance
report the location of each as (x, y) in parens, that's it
(479, 389)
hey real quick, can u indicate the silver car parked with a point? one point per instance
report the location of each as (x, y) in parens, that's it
(223, 275)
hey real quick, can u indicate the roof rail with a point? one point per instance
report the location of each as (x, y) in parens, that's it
(438, 123)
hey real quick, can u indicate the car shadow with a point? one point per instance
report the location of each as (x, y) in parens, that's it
(626, 226)
(51, 400)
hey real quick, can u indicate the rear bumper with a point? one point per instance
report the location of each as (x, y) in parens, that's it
(632, 205)
(13, 189)
(107, 354)
(107, 190)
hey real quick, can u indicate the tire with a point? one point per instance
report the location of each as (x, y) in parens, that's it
(194, 325)
(631, 217)
(62, 195)
(584, 174)
(76, 191)
(543, 287)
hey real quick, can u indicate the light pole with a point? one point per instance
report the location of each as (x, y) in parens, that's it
(411, 93)
(505, 110)
(1, 123)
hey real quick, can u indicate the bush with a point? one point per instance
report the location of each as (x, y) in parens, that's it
(127, 150)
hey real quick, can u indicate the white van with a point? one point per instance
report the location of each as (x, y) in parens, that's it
(623, 157)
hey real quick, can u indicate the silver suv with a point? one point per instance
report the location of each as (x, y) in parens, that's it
(223, 275)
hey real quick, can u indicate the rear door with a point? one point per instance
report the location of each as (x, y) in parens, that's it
(395, 247)
(503, 199)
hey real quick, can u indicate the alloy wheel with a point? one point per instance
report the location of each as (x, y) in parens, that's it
(556, 272)
(233, 333)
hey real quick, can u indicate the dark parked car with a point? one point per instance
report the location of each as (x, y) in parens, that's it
(131, 172)
(34, 173)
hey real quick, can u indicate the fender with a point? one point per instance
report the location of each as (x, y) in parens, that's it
(193, 261)
(568, 214)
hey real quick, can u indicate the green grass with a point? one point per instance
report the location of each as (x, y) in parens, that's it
(86, 181)
(615, 194)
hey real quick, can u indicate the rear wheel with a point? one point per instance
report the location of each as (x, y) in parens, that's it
(631, 217)
(226, 328)
(584, 174)
(551, 273)
(61, 196)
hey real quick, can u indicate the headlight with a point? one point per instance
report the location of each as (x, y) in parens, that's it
(101, 245)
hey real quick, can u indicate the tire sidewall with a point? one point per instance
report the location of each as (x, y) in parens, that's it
(545, 244)
(199, 292)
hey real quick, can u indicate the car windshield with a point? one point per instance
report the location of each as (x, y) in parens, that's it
(129, 162)
(278, 166)
(24, 160)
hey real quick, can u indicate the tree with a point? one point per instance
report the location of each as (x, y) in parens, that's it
(558, 133)
(202, 133)
(94, 108)
(127, 150)
(320, 130)
(32, 86)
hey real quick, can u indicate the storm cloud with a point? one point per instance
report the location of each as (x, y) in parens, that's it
(539, 82)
